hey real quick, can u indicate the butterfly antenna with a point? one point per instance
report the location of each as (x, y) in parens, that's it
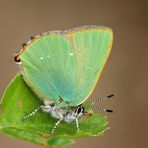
(31, 114)
(101, 108)
(104, 98)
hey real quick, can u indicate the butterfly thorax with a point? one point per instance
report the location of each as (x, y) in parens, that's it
(67, 114)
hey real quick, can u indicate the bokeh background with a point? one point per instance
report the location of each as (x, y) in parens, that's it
(125, 73)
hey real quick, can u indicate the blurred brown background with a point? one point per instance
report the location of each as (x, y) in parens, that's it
(126, 70)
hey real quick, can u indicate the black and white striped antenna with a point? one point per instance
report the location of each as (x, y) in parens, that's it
(100, 99)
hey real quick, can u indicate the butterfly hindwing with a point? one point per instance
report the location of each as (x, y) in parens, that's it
(67, 64)
(92, 46)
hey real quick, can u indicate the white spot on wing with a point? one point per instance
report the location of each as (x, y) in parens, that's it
(71, 54)
(41, 58)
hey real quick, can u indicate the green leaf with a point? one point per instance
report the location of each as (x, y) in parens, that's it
(19, 100)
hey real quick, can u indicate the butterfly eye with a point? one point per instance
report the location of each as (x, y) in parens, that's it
(80, 109)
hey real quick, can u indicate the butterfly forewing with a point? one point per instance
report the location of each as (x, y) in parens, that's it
(67, 64)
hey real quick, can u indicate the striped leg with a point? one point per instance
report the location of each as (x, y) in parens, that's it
(55, 126)
(77, 125)
(31, 114)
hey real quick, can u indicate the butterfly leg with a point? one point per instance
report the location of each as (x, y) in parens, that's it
(44, 108)
(31, 114)
(77, 124)
(56, 124)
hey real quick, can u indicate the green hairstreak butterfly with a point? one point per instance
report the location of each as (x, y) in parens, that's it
(62, 68)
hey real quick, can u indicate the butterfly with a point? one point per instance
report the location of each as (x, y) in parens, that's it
(63, 67)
